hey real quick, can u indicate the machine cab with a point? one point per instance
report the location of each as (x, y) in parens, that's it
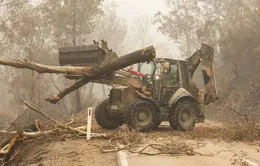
(163, 78)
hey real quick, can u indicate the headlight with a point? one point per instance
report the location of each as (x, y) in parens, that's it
(157, 77)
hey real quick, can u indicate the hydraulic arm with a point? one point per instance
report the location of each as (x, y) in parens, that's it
(205, 57)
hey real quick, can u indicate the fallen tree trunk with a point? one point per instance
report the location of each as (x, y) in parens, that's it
(146, 54)
(27, 133)
(38, 133)
(82, 81)
(26, 64)
(88, 73)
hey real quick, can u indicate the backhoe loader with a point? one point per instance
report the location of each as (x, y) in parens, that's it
(156, 91)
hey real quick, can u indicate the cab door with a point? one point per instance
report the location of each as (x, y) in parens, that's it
(170, 81)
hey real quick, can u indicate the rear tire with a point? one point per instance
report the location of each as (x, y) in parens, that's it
(142, 115)
(103, 119)
(183, 116)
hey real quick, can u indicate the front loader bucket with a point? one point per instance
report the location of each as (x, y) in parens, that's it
(86, 55)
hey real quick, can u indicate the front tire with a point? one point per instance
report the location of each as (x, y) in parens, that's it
(103, 119)
(142, 115)
(183, 116)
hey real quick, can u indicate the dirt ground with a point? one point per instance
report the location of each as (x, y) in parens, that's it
(211, 141)
(230, 154)
(72, 152)
(61, 151)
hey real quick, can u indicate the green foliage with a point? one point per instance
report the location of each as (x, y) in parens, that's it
(35, 31)
(181, 23)
(71, 21)
(231, 26)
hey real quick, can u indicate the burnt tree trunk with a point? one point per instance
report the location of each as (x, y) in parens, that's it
(88, 73)
(74, 41)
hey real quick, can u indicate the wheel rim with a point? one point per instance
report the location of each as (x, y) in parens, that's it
(186, 117)
(143, 116)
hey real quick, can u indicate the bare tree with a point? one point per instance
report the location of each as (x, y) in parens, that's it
(230, 26)
(71, 23)
(181, 23)
(141, 27)
(35, 31)
(110, 27)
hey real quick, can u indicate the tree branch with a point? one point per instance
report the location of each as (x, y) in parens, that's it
(77, 131)
(81, 82)
(162, 149)
(84, 71)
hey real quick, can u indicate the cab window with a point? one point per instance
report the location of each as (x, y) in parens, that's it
(147, 68)
(171, 75)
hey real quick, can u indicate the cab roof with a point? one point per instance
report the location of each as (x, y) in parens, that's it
(170, 59)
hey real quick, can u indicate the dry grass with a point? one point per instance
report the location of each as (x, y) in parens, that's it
(244, 132)
(248, 131)
(161, 141)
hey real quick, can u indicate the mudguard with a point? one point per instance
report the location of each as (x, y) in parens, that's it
(150, 100)
(180, 94)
